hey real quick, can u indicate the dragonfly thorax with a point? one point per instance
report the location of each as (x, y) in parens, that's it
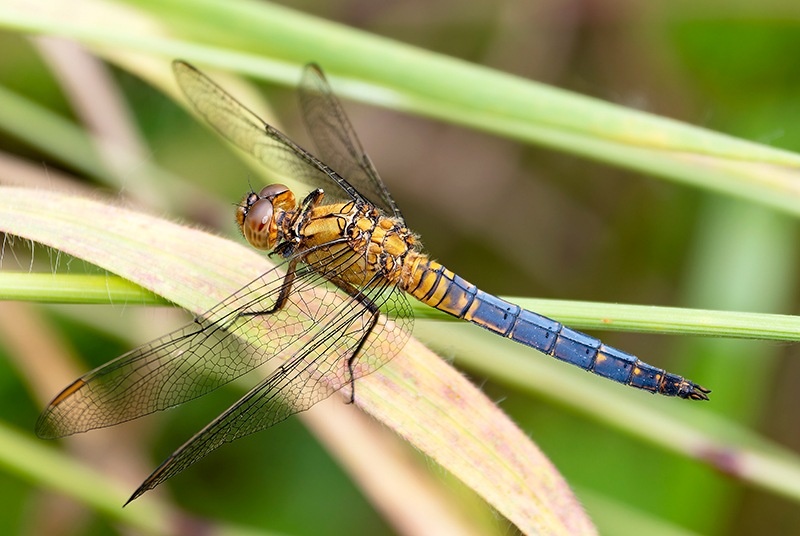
(259, 215)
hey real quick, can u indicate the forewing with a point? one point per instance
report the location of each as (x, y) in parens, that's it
(246, 130)
(336, 140)
(236, 336)
(314, 372)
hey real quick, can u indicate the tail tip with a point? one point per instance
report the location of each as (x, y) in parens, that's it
(696, 392)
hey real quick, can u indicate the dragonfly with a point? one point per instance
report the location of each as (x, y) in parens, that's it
(334, 308)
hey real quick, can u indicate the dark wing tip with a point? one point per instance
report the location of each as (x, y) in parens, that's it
(136, 495)
(180, 69)
(156, 477)
(49, 425)
(45, 429)
(182, 65)
(314, 66)
(147, 485)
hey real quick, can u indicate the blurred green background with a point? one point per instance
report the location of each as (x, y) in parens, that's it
(514, 218)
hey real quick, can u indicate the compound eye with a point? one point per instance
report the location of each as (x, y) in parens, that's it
(272, 190)
(257, 224)
(244, 207)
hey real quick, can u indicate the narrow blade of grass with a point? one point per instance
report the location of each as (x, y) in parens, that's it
(272, 42)
(104, 289)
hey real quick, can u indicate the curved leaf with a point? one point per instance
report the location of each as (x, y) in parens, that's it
(418, 395)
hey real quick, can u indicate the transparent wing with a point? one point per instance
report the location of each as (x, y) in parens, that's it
(251, 134)
(318, 369)
(238, 335)
(336, 140)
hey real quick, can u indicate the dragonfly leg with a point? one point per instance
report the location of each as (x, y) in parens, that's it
(310, 202)
(373, 322)
(374, 312)
(283, 295)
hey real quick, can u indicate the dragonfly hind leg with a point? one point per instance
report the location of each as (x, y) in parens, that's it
(374, 312)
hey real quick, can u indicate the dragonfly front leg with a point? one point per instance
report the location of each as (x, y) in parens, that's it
(283, 293)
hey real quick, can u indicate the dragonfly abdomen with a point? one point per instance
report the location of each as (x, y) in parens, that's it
(442, 289)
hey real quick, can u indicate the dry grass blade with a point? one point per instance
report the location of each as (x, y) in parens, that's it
(418, 395)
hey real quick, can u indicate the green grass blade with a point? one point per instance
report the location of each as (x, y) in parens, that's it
(74, 288)
(43, 464)
(270, 39)
(104, 289)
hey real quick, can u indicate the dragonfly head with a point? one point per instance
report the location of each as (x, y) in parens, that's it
(258, 215)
